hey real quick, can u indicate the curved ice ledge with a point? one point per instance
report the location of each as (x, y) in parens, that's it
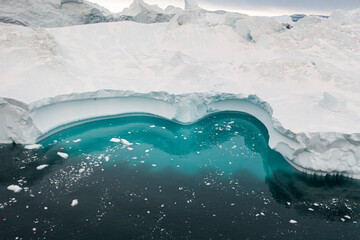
(313, 153)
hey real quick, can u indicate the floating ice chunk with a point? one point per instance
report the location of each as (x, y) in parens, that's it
(41, 167)
(311, 209)
(33, 146)
(126, 142)
(76, 141)
(293, 221)
(63, 155)
(14, 188)
(107, 158)
(74, 202)
(81, 170)
(115, 140)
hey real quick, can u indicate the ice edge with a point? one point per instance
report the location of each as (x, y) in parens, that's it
(313, 153)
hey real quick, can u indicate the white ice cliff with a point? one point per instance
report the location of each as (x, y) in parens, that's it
(300, 79)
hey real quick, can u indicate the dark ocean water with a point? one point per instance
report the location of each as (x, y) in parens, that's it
(216, 179)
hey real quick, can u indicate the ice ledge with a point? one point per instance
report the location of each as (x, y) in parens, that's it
(316, 153)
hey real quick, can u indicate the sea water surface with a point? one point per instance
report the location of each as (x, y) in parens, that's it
(142, 177)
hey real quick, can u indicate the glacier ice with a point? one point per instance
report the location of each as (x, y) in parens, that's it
(197, 63)
(56, 13)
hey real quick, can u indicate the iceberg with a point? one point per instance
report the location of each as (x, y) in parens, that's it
(60, 13)
(301, 82)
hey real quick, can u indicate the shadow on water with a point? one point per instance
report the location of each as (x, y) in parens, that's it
(213, 179)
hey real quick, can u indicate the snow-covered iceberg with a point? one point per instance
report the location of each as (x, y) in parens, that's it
(301, 80)
(60, 13)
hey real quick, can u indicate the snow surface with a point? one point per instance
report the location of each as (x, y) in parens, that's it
(300, 79)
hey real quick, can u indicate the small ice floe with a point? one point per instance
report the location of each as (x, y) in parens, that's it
(293, 221)
(107, 158)
(311, 209)
(76, 141)
(81, 170)
(347, 216)
(115, 140)
(14, 188)
(74, 202)
(63, 155)
(126, 142)
(41, 167)
(33, 146)
(152, 126)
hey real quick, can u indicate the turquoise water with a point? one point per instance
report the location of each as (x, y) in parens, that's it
(215, 179)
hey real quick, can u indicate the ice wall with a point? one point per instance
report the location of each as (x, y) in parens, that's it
(315, 153)
(16, 125)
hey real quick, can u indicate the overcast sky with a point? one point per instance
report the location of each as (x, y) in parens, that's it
(252, 7)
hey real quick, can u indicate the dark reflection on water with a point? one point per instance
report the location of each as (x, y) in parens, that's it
(216, 179)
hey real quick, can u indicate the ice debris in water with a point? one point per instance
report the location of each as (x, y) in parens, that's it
(126, 142)
(292, 221)
(41, 167)
(14, 188)
(115, 140)
(63, 155)
(74, 202)
(78, 140)
(33, 146)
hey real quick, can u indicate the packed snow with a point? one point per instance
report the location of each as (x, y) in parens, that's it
(301, 79)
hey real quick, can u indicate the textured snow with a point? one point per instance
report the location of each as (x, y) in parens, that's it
(198, 63)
